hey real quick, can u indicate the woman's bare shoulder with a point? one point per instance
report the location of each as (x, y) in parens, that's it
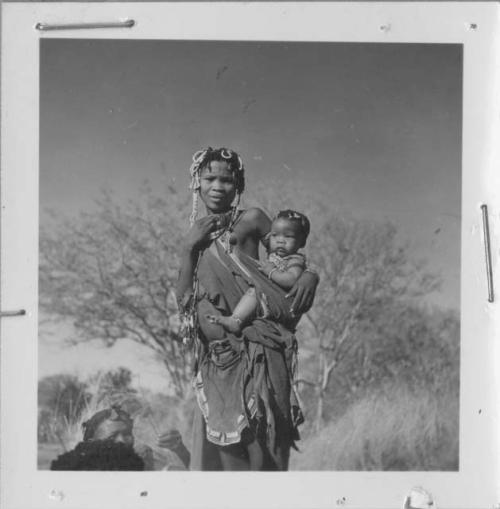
(254, 214)
(256, 218)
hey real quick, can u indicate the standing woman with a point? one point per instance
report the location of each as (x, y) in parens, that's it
(249, 413)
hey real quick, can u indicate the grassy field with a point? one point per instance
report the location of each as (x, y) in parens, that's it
(395, 429)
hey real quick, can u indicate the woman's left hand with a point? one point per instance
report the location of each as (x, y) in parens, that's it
(303, 292)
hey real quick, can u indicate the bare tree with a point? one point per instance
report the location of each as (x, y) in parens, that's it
(364, 270)
(113, 272)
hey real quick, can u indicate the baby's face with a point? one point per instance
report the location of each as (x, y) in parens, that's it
(285, 237)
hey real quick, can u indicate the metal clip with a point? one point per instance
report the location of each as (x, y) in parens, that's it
(18, 312)
(44, 27)
(487, 252)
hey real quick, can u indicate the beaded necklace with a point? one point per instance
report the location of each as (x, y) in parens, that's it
(225, 224)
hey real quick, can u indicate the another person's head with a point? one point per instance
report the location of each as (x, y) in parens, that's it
(289, 232)
(110, 424)
(217, 177)
(107, 445)
(99, 455)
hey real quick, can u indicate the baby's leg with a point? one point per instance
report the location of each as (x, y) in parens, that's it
(246, 307)
(242, 313)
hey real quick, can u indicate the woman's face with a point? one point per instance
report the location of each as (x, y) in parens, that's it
(217, 188)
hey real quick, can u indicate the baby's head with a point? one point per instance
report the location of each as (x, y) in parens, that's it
(289, 231)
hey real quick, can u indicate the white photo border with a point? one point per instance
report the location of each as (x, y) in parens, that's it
(475, 26)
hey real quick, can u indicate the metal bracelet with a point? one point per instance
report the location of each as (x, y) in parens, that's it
(271, 272)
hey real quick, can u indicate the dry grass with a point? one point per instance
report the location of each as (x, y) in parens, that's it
(392, 429)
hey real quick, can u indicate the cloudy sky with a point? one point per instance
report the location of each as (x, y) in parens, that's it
(376, 126)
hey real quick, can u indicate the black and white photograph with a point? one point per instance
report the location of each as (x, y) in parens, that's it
(249, 255)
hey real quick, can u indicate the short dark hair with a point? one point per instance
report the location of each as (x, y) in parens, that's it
(298, 219)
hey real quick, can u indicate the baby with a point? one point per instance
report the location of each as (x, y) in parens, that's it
(284, 265)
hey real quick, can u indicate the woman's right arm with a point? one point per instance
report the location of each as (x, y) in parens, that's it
(196, 240)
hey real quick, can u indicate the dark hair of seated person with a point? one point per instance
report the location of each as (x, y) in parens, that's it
(107, 444)
(99, 455)
(114, 417)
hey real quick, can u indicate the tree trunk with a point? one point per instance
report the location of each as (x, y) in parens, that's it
(318, 422)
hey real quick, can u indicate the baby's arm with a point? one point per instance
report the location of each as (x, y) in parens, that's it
(284, 278)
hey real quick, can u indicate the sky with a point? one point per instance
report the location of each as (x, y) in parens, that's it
(375, 126)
